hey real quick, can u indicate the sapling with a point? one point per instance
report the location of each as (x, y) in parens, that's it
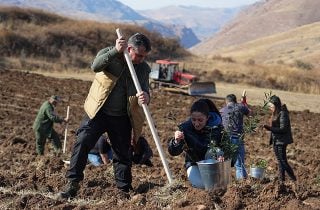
(250, 125)
(260, 163)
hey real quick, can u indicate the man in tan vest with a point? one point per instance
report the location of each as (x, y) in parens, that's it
(113, 106)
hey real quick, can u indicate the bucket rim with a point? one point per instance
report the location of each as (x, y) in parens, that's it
(207, 161)
(257, 168)
(212, 161)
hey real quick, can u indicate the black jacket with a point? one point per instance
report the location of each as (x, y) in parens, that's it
(281, 128)
(196, 142)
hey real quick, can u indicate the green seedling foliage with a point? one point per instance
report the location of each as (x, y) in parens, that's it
(260, 163)
(250, 126)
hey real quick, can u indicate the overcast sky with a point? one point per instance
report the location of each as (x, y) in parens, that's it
(152, 4)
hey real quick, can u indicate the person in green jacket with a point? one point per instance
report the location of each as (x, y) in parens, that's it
(113, 106)
(43, 125)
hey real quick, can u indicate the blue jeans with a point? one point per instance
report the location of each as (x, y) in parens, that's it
(95, 159)
(241, 171)
(194, 177)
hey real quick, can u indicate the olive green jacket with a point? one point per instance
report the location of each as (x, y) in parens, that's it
(45, 119)
(109, 65)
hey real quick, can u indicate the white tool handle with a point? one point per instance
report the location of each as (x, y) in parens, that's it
(66, 132)
(244, 93)
(146, 111)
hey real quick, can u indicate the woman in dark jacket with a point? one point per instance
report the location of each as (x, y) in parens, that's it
(194, 136)
(281, 135)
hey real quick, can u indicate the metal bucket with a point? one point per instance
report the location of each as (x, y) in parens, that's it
(214, 174)
(257, 172)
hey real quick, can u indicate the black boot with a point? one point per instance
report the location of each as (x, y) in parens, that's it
(123, 194)
(71, 190)
(148, 163)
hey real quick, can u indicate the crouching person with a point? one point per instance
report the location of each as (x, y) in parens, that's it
(194, 136)
(142, 153)
(101, 153)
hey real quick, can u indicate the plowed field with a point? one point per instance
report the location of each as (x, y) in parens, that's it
(30, 182)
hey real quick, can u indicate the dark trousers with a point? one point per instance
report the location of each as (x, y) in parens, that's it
(41, 138)
(281, 155)
(119, 132)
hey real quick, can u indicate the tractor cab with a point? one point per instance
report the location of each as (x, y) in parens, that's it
(166, 73)
(164, 70)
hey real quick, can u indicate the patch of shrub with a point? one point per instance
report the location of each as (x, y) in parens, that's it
(251, 62)
(281, 62)
(216, 74)
(31, 33)
(303, 65)
(223, 59)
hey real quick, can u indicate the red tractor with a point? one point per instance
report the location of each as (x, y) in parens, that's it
(166, 74)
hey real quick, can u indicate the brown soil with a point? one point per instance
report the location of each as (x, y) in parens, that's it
(30, 182)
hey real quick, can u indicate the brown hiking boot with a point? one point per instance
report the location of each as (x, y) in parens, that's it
(71, 190)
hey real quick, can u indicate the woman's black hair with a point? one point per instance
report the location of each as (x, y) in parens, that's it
(211, 105)
(200, 106)
(204, 106)
(275, 100)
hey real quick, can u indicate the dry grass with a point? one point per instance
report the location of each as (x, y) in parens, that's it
(286, 61)
(170, 193)
(273, 76)
(31, 39)
(301, 43)
(35, 41)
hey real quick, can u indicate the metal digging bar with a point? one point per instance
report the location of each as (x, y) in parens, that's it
(146, 111)
(66, 129)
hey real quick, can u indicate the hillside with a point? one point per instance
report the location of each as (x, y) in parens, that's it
(204, 22)
(265, 18)
(32, 39)
(299, 44)
(110, 11)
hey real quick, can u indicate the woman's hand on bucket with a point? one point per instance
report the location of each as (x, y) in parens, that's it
(220, 159)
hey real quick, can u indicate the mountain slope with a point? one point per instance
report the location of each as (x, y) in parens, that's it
(204, 21)
(33, 39)
(301, 43)
(107, 11)
(262, 19)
